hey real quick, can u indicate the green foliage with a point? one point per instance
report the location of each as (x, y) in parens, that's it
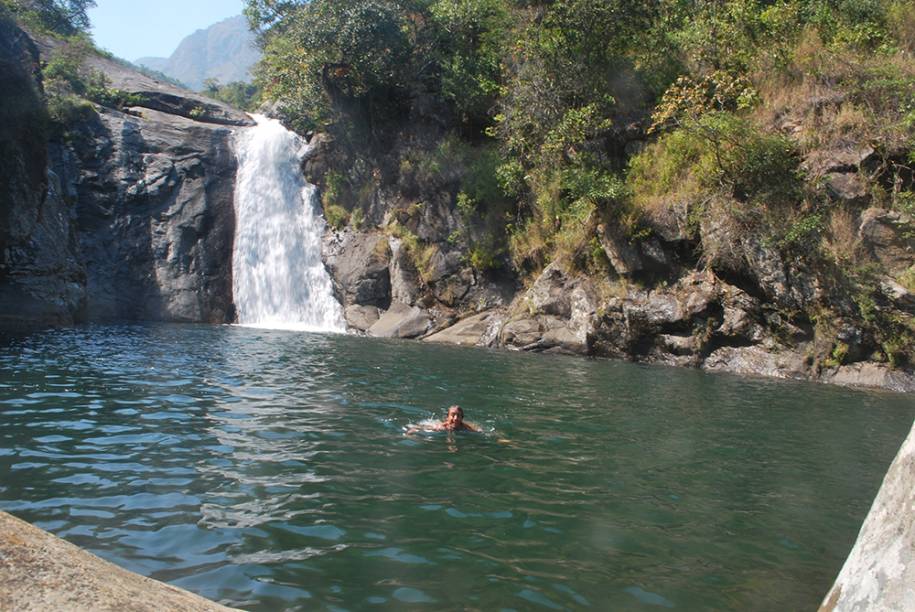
(365, 59)
(718, 152)
(907, 279)
(336, 216)
(59, 17)
(420, 253)
(471, 35)
(237, 94)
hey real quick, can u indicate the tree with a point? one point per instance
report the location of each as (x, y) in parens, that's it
(65, 17)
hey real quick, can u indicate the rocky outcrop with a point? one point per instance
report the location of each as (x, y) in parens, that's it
(39, 571)
(879, 573)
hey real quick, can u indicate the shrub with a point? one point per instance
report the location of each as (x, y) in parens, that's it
(336, 216)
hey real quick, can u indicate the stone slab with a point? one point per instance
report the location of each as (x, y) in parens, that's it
(39, 571)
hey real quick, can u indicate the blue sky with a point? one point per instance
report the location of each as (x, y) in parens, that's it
(142, 28)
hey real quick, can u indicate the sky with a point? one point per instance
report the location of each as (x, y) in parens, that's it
(153, 28)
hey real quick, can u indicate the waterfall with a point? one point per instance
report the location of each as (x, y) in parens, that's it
(278, 278)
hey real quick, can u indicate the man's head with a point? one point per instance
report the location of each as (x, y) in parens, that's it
(455, 417)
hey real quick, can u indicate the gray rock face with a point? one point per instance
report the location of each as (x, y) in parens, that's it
(132, 218)
(887, 236)
(157, 95)
(361, 317)
(358, 265)
(156, 218)
(39, 571)
(557, 314)
(41, 280)
(879, 573)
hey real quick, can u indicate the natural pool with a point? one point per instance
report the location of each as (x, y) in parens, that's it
(269, 470)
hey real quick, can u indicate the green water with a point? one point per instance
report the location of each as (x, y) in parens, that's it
(269, 470)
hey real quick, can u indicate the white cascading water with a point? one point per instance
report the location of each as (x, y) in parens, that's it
(278, 278)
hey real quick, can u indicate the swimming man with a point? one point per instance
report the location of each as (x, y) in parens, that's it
(455, 421)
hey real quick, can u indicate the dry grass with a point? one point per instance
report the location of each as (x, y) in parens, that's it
(830, 98)
(840, 241)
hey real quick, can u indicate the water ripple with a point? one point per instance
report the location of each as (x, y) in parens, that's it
(270, 470)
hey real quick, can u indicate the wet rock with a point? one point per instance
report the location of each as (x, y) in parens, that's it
(39, 571)
(520, 333)
(401, 321)
(874, 375)
(756, 361)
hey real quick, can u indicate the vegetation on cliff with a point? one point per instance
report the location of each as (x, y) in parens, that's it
(725, 129)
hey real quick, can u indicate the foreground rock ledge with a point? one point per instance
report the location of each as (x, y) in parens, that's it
(39, 571)
(879, 573)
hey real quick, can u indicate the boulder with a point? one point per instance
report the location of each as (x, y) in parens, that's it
(879, 573)
(401, 321)
(845, 159)
(358, 264)
(846, 187)
(623, 256)
(521, 332)
(470, 331)
(361, 317)
(550, 293)
(557, 314)
(405, 280)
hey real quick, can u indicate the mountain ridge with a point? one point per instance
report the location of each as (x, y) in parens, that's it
(224, 51)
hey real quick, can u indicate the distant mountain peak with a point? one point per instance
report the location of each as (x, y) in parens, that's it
(225, 51)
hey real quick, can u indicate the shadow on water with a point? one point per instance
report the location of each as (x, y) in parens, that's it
(270, 469)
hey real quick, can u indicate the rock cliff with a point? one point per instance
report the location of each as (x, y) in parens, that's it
(129, 214)
(41, 278)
